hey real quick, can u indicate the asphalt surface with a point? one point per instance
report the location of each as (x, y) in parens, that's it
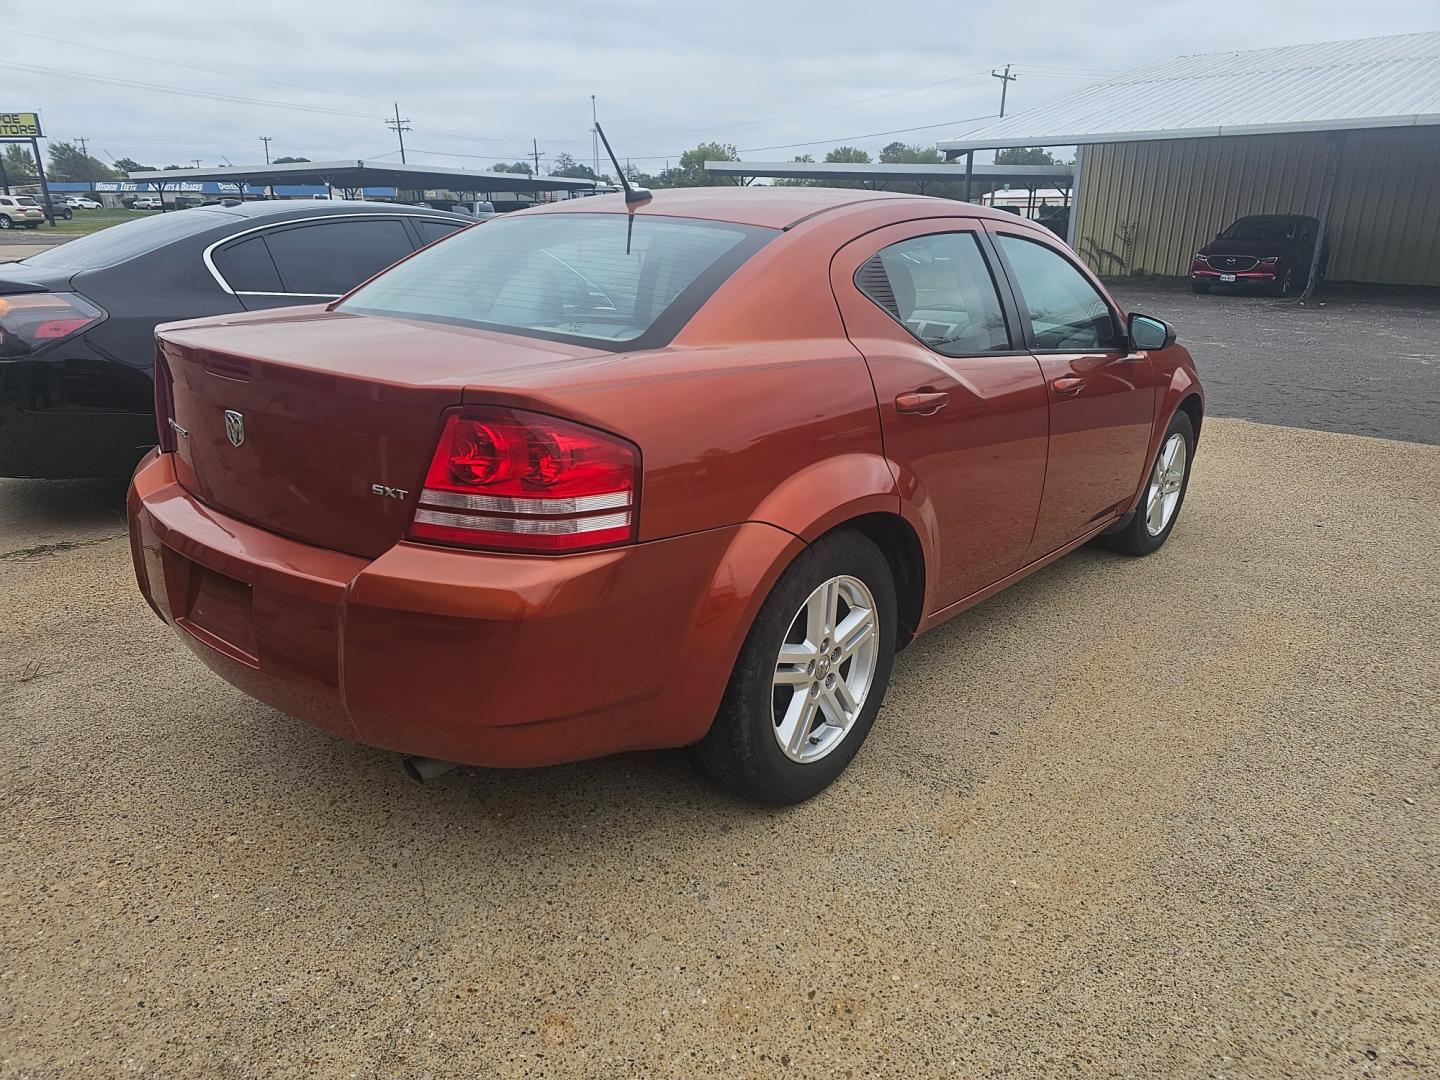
(1172, 817)
(1359, 360)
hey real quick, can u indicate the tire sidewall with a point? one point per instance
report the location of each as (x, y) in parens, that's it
(1179, 424)
(776, 777)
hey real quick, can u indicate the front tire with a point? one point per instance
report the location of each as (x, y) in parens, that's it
(1152, 521)
(5, 222)
(810, 677)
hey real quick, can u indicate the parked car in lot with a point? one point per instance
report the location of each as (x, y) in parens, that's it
(147, 202)
(1271, 251)
(58, 206)
(77, 321)
(80, 202)
(20, 211)
(598, 477)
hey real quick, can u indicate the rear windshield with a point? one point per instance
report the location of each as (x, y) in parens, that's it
(120, 242)
(611, 280)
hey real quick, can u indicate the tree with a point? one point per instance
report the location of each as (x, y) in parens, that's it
(566, 165)
(68, 163)
(19, 165)
(897, 153)
(638, 177)
(848, 154)
(512, 167)
(1025, 155)
(691, 170)
(129, 165)
(289, 160)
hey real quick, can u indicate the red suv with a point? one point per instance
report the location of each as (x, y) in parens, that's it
(688, 470)
(1272, 251)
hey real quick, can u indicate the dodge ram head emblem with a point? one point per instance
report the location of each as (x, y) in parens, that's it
(234, 427)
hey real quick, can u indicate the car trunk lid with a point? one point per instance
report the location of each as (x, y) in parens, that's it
(320, 426)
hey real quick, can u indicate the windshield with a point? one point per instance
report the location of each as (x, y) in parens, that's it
(608, 279)
(121, 242)
(1261, 228)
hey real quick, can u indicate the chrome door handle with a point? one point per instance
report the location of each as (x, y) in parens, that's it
(924, 402)
(1068, 385)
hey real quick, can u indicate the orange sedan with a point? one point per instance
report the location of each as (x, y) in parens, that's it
(684, 470)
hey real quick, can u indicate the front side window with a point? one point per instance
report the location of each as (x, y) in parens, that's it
(613, 280)
(940, 289)
(1066, 313)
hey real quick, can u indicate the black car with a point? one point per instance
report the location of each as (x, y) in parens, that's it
(1272, 251)
(77, 321)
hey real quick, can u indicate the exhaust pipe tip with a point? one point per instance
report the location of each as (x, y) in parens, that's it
(423, 769)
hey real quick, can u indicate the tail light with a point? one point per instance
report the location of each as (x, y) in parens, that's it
(510, 480)
(31, 321)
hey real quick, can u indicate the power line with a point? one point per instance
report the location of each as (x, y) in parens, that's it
(869, 135)
(191, 67)
(209, 95)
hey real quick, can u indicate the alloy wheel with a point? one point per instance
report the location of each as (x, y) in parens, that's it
(1166, 482)
(825, 669)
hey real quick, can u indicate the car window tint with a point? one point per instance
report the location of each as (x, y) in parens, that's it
(333, 257)
(940, 289)
(430, 231)
(1065, 311)
(247, 266)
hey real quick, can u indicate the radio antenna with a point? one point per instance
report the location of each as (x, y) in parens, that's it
(632, 194)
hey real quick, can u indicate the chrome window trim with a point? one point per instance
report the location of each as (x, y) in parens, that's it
(207, 256)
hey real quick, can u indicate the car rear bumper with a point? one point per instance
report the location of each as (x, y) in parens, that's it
(487, 659)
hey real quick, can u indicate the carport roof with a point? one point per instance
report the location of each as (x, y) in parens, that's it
(359, 174)
(1020, 175)
(1334, 86)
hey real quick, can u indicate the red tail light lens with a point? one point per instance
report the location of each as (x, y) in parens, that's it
(31, 321)
(510, 480)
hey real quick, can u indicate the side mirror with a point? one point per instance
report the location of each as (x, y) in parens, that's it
(1149, 334)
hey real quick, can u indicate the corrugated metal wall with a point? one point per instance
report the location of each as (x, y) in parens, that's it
(1149, 206)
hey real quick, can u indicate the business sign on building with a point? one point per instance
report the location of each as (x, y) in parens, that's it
(20, 125)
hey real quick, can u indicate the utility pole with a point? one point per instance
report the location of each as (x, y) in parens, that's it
(1005, 81)
(266, 140)
(195, 161)
(594, 135)
(85, 153)
(536, 155)
(399, 125)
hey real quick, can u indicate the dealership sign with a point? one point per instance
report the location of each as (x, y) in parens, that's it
(20, 125)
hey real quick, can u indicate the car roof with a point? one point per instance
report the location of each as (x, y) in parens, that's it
(767, 206)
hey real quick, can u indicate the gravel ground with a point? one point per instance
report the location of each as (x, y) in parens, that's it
(1173, 817)
(1359, 360)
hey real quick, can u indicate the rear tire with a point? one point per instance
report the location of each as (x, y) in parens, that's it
(1153, 519)
(776, 739)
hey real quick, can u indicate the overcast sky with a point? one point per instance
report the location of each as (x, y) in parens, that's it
(478, 81)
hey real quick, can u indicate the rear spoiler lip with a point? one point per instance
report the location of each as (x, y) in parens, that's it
(12, 287)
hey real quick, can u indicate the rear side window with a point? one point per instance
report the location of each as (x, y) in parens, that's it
(941, 290)
(1066, 313)
(430, 231)
(612, 280)
(129, 240)
(333, 257)
(247, 266)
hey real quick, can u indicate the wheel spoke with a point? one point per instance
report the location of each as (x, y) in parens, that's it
(846, 699)
(856, 629)
(1155, 516)
(790, 676)
(820, 613)
(799, 719)
(831, 707)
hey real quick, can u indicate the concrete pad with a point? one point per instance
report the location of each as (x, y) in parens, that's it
(1170, 817)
